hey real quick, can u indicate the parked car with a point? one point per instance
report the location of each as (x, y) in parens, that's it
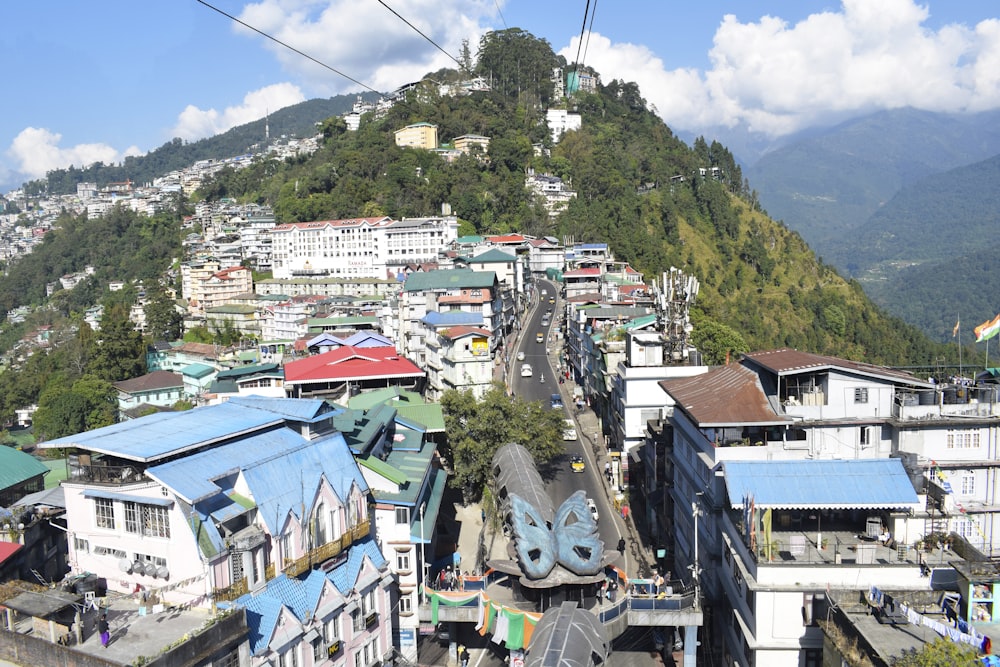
(569, 430)
(592, 506)
(526, 370)
(555, 402)
(576, 464)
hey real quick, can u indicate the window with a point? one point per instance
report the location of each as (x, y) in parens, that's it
(318, 651)
(861, 394)
(148, 520)
(331, 630)
(289, 658)
(105, 513)
(81, 545)
(231, 659)
(963, 439)
(402, 562)
(405, 603)
(968, 484)
(866, 435)
(402, 515)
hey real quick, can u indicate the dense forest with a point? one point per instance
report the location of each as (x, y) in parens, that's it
(639, 187)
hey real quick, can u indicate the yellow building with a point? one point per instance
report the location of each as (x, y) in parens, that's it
(419, 135)
(465, 142)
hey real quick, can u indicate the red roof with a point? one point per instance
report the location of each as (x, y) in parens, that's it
(724, 396)
(464, 330)
(583, 272)
(507, 238)
(319, 224)
(8, 549)
(351, 363)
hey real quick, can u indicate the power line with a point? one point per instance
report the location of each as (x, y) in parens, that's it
(497, 3)
(590, 30)
(288, 46)
(381, 2)
(583, 29)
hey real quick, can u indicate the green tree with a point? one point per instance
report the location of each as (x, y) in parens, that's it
(163, 322)
(88, 404)
(716, 340)
(941, 653)
(477, 428)
(121, 354)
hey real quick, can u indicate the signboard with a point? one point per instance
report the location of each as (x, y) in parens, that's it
(407, 638)
(370, 619)
(480, 346)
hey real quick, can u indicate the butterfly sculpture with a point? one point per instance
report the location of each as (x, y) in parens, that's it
(572, 542)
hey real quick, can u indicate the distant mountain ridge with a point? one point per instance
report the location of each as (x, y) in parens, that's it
(831, 182)
(298, 120)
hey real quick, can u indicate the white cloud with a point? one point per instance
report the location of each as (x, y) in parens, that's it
(36, 151)
(775, 78)
(364, 41)
(194, 123)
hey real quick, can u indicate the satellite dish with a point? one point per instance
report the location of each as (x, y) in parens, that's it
(150, 569)
(162, 572)
(125, 565)
(137, 567)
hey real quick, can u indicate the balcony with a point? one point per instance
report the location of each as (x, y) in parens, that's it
(327, 551)
(82, 469)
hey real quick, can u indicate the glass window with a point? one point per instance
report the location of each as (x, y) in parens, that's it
(861, 394)
(104, 510)
(402, 562)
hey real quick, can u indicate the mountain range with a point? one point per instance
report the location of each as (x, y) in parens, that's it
(904, 201)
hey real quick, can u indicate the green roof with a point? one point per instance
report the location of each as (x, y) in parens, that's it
(17, 467)
(242, 501)
(369, 399)
(418, 534)
(197, 370)
(493, 256)
(429, 414)
(469, 240)
(57, 472)
(421, 281)
(380, 467)
(235, 308)
(354, 319)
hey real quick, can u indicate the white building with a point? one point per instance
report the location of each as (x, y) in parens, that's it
(561, 121)
(802, 473)
(363, 247)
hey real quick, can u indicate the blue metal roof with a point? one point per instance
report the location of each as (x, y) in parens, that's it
(452, 318)
(165, 434)
(281, 485)
(194, 478)
(868, 484)
(301, 596)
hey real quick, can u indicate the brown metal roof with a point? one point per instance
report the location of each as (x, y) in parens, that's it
(151, 382)
(723, 396)
(787, 361)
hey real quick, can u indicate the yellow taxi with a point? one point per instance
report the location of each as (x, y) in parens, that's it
(576, 464)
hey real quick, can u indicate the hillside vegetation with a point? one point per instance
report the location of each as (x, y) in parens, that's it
(758, 277)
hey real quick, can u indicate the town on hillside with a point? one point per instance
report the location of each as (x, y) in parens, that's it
(783, 508)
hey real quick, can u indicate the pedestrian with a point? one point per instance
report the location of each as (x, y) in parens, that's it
(621, 546)
(104, 629)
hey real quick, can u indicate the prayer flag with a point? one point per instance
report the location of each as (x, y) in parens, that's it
(954, 332)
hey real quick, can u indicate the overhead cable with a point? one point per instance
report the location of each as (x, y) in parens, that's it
(288, 46)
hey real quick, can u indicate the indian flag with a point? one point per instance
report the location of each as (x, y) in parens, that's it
(987, 329)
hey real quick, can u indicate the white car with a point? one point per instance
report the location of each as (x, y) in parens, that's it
(569, 430)
(526, 370)
(520, 356)
(593, 509)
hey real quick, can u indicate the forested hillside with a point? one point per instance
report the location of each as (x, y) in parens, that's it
(759, 279)
(298, 120)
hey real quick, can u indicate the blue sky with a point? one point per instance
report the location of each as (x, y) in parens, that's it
(97, 81)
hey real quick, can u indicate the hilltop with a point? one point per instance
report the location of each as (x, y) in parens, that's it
(639, 188)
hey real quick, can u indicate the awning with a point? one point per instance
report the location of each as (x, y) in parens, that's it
(869, 484)
(419, 534)
(124, 497)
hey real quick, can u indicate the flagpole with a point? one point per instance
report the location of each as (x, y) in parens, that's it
(960, 373)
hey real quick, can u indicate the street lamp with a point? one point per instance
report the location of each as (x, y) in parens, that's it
(695, 569)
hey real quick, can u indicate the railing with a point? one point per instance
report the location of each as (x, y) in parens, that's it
(105, 474)
(300, 565)
(327, 551)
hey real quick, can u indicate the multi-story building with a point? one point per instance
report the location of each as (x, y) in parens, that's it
(458, 357)
(467, 143)
(463, 290)
(205, 285)
(553, 192)
(560, 121)
(360, 248)
(197, 507)
(418, 135)
(786, 469)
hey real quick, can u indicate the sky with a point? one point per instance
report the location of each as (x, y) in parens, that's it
(85, 82)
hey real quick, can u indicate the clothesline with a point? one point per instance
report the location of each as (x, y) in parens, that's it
(962, 634)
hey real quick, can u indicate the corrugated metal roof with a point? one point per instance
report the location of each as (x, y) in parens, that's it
(449, 279)
(17, 467)
(868, 484)
(723, 396)
(787, 361)
(193, 478)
